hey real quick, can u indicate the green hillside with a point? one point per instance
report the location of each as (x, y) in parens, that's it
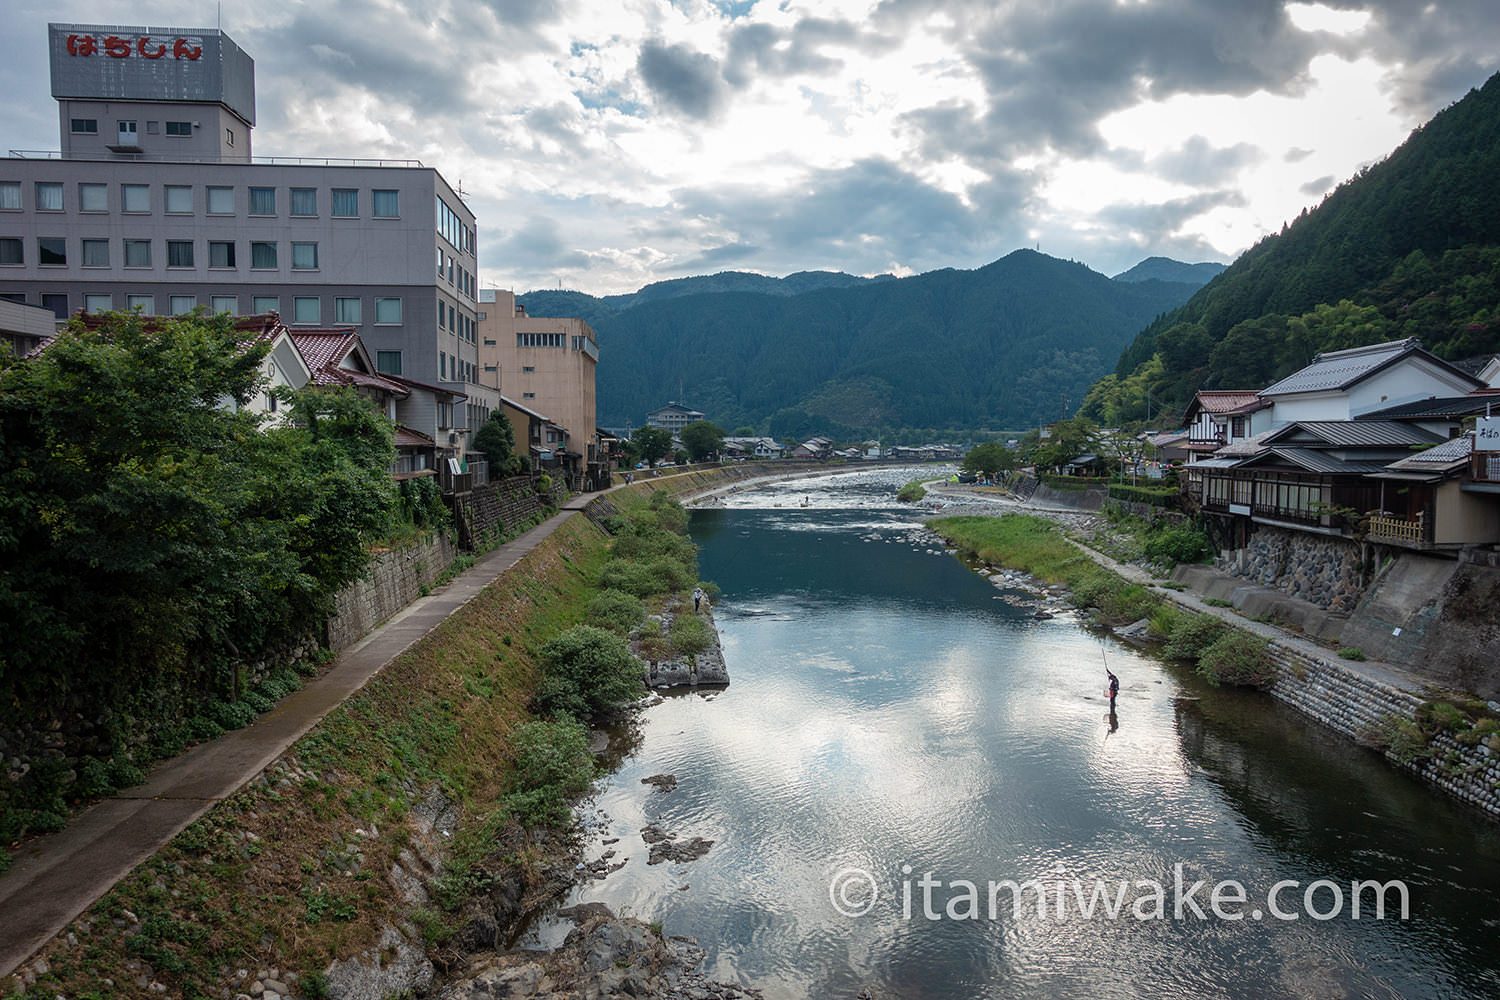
(1403, 249)
(1007, 345)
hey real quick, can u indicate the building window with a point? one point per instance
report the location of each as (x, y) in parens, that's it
(51, 251)
(95, 254)
(345, 203)
(304, 256)
(528, 369)
(221, 201)
(178, 199)
(10, 250)
(306, 309)
(262, 201)
(224, 304)
(346, 310)
(387, 311)
(152, 128)
(10, 196)
(57, 302)
(97, 303)
(388, 362)
(221, 253)
(135, 198)
(528, 395)
(263, 256)
(183, 304)
(137, 253)
(539, 340)
(442, 316)
(442, 365)
(304, 201)
(229, 137)
(49, 196)
(265, 304)
(145, 303)
(386, 204)
(451, 325)
(93, 197)
(181, 129)
(179, 253)
(84, 126)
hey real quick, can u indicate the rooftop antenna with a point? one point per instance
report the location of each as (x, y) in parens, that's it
(219, 17)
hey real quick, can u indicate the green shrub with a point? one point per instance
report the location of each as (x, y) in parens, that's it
(1182, 543)
(229, 715)
(588, 671)
(617, 611)
(553, 767)
(1441, 716)
(1156, 496)
(1350, 653)
(691, 634)
(911, 492)
(544, 483)
(1165, 620)
(1402, 738)
(1238, 659)
(661, 575)
(1218, 602)
(1193, 635)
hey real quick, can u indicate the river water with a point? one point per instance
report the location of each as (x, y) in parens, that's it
(894, 713)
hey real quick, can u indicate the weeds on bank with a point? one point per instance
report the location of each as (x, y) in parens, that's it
(1222, 654)
(296, 869)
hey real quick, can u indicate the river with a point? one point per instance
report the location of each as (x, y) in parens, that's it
(892, 712)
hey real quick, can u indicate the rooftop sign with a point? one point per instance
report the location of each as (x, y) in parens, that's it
(116, 63)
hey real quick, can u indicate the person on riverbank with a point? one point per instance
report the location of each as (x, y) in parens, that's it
(697, 599)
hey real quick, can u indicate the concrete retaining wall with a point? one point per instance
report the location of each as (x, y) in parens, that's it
(393, 580)
(1355, 704)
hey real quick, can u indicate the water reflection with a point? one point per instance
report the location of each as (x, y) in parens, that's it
(890, 708)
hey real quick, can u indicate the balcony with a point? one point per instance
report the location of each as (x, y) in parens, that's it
(1384, 527)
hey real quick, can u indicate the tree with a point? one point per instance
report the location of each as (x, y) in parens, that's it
(990, 458)
(654, 442)
(702, 439)
(497, 439)
(147, 530)
(1067, 440)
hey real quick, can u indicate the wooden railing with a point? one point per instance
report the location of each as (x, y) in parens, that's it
(1384, 528)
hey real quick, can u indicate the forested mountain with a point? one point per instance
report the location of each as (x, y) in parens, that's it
(1007, 345)
(1167, 269)
(1407, 248)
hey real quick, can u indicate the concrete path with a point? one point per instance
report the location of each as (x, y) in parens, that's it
(53, 879)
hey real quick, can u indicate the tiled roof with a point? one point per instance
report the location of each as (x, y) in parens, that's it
(1435, 406)
(1341, 369)
(1354, 433)
(1452, 452)
(408, 438)
(1322, 462)
(325, 350)
(1225, 401)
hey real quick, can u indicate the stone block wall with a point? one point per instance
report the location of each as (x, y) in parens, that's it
(1354, 703)
(393, 580)
(499, 506)
(1324, 570)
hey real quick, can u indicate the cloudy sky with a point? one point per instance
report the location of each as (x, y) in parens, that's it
(604, 145)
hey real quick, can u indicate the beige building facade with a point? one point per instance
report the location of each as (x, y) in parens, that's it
(546, 364)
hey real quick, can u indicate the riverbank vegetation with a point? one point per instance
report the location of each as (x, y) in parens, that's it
(1220, 652)
(436, 765)
(912, 491)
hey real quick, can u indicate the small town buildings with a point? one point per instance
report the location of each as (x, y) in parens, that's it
(1342, 385)
(752, 447)
(1217, 417)
(25, 327)
(547, 364)
(674, 417)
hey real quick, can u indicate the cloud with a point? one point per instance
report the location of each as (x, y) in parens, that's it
(682, 79)
(1165, 217)
(1319, 187)
(1198, 163)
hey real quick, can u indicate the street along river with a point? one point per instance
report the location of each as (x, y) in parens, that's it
(893, 714)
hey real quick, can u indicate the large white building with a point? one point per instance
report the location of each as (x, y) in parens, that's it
(154, 202)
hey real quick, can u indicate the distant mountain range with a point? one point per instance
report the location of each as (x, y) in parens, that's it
(1008, 345)
(1167, 269)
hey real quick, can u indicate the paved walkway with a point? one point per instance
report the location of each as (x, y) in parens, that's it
(53, 879)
